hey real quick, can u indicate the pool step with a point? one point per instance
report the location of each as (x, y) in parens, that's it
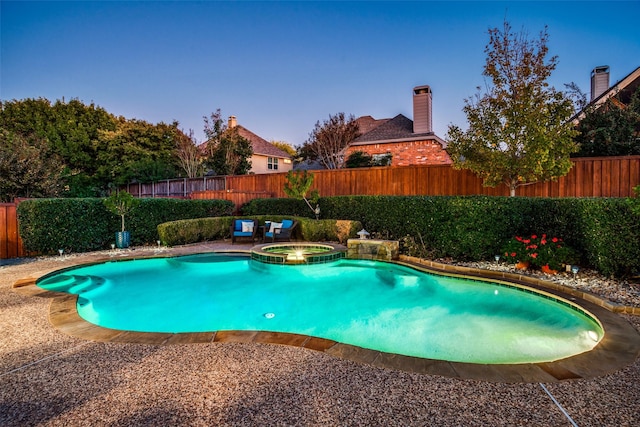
(86, 284)
(60, 283)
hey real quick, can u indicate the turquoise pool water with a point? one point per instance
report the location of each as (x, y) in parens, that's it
(379, 306)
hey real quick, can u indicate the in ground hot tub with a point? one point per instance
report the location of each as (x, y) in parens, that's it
(297, 253)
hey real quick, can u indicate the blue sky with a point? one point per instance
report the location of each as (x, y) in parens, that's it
(282, 66)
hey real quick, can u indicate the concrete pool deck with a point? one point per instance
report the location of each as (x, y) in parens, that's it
(51, 378)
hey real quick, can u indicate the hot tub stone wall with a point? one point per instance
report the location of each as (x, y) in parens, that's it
(384, 250)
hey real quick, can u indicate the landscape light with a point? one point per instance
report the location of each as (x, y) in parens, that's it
(363, 234)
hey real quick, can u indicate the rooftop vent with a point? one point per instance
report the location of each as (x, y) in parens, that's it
(422, 122)
(599, 81)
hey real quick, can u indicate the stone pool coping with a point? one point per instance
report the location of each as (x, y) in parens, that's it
(619, 347)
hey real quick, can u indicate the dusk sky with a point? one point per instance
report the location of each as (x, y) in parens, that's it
(279, 67)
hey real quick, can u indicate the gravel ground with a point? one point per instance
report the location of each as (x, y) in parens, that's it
(51, 379)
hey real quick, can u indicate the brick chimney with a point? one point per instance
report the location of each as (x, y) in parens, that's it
(422, 122)
(232, 122)
(599, 81)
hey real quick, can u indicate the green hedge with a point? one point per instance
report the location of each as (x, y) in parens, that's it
(285, 206)
(609, 235)
(144, 221)
(605, 232)
(75, 225)
(207, 229)
(82, 225)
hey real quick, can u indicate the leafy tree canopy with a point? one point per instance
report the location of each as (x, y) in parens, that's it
(328, 140)
(610, 129)
(28, 168)
(97, 149)
(360, 159)
(519, 130)
(71, 128)
(137, 151)
(228, 153)
(286, 147)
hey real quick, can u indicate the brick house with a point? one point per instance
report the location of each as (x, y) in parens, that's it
(266, 158)
(410, 142)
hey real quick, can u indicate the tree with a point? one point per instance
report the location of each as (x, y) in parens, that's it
(121, 203)
(28, 168)
(611, 129)
(228, 153)
(328, 140)
(137, 150)
(286, 147)
(358, 159)
(519, 130)
(71, 130)
(577, 95)
(98, 150)
(188, 154)
(298, 185)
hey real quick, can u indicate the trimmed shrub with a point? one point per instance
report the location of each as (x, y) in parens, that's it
(82, 225)
(187, 231)
(206, 229)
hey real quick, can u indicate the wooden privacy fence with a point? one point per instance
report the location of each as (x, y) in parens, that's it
(10, 242)
(588, 177)
(178, 188)
(238, 198)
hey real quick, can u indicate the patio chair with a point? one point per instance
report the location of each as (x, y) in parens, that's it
(279, 231)
(244, 229)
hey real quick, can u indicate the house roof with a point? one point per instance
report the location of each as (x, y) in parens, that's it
(397, 129)
(623, 90)
(367, 123)
(260, 145)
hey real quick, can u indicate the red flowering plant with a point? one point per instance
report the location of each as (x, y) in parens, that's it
(539, 250)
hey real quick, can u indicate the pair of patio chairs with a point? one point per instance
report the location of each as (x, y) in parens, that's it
(271, 232)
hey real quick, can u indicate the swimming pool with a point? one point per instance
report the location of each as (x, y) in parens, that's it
(375, 305)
